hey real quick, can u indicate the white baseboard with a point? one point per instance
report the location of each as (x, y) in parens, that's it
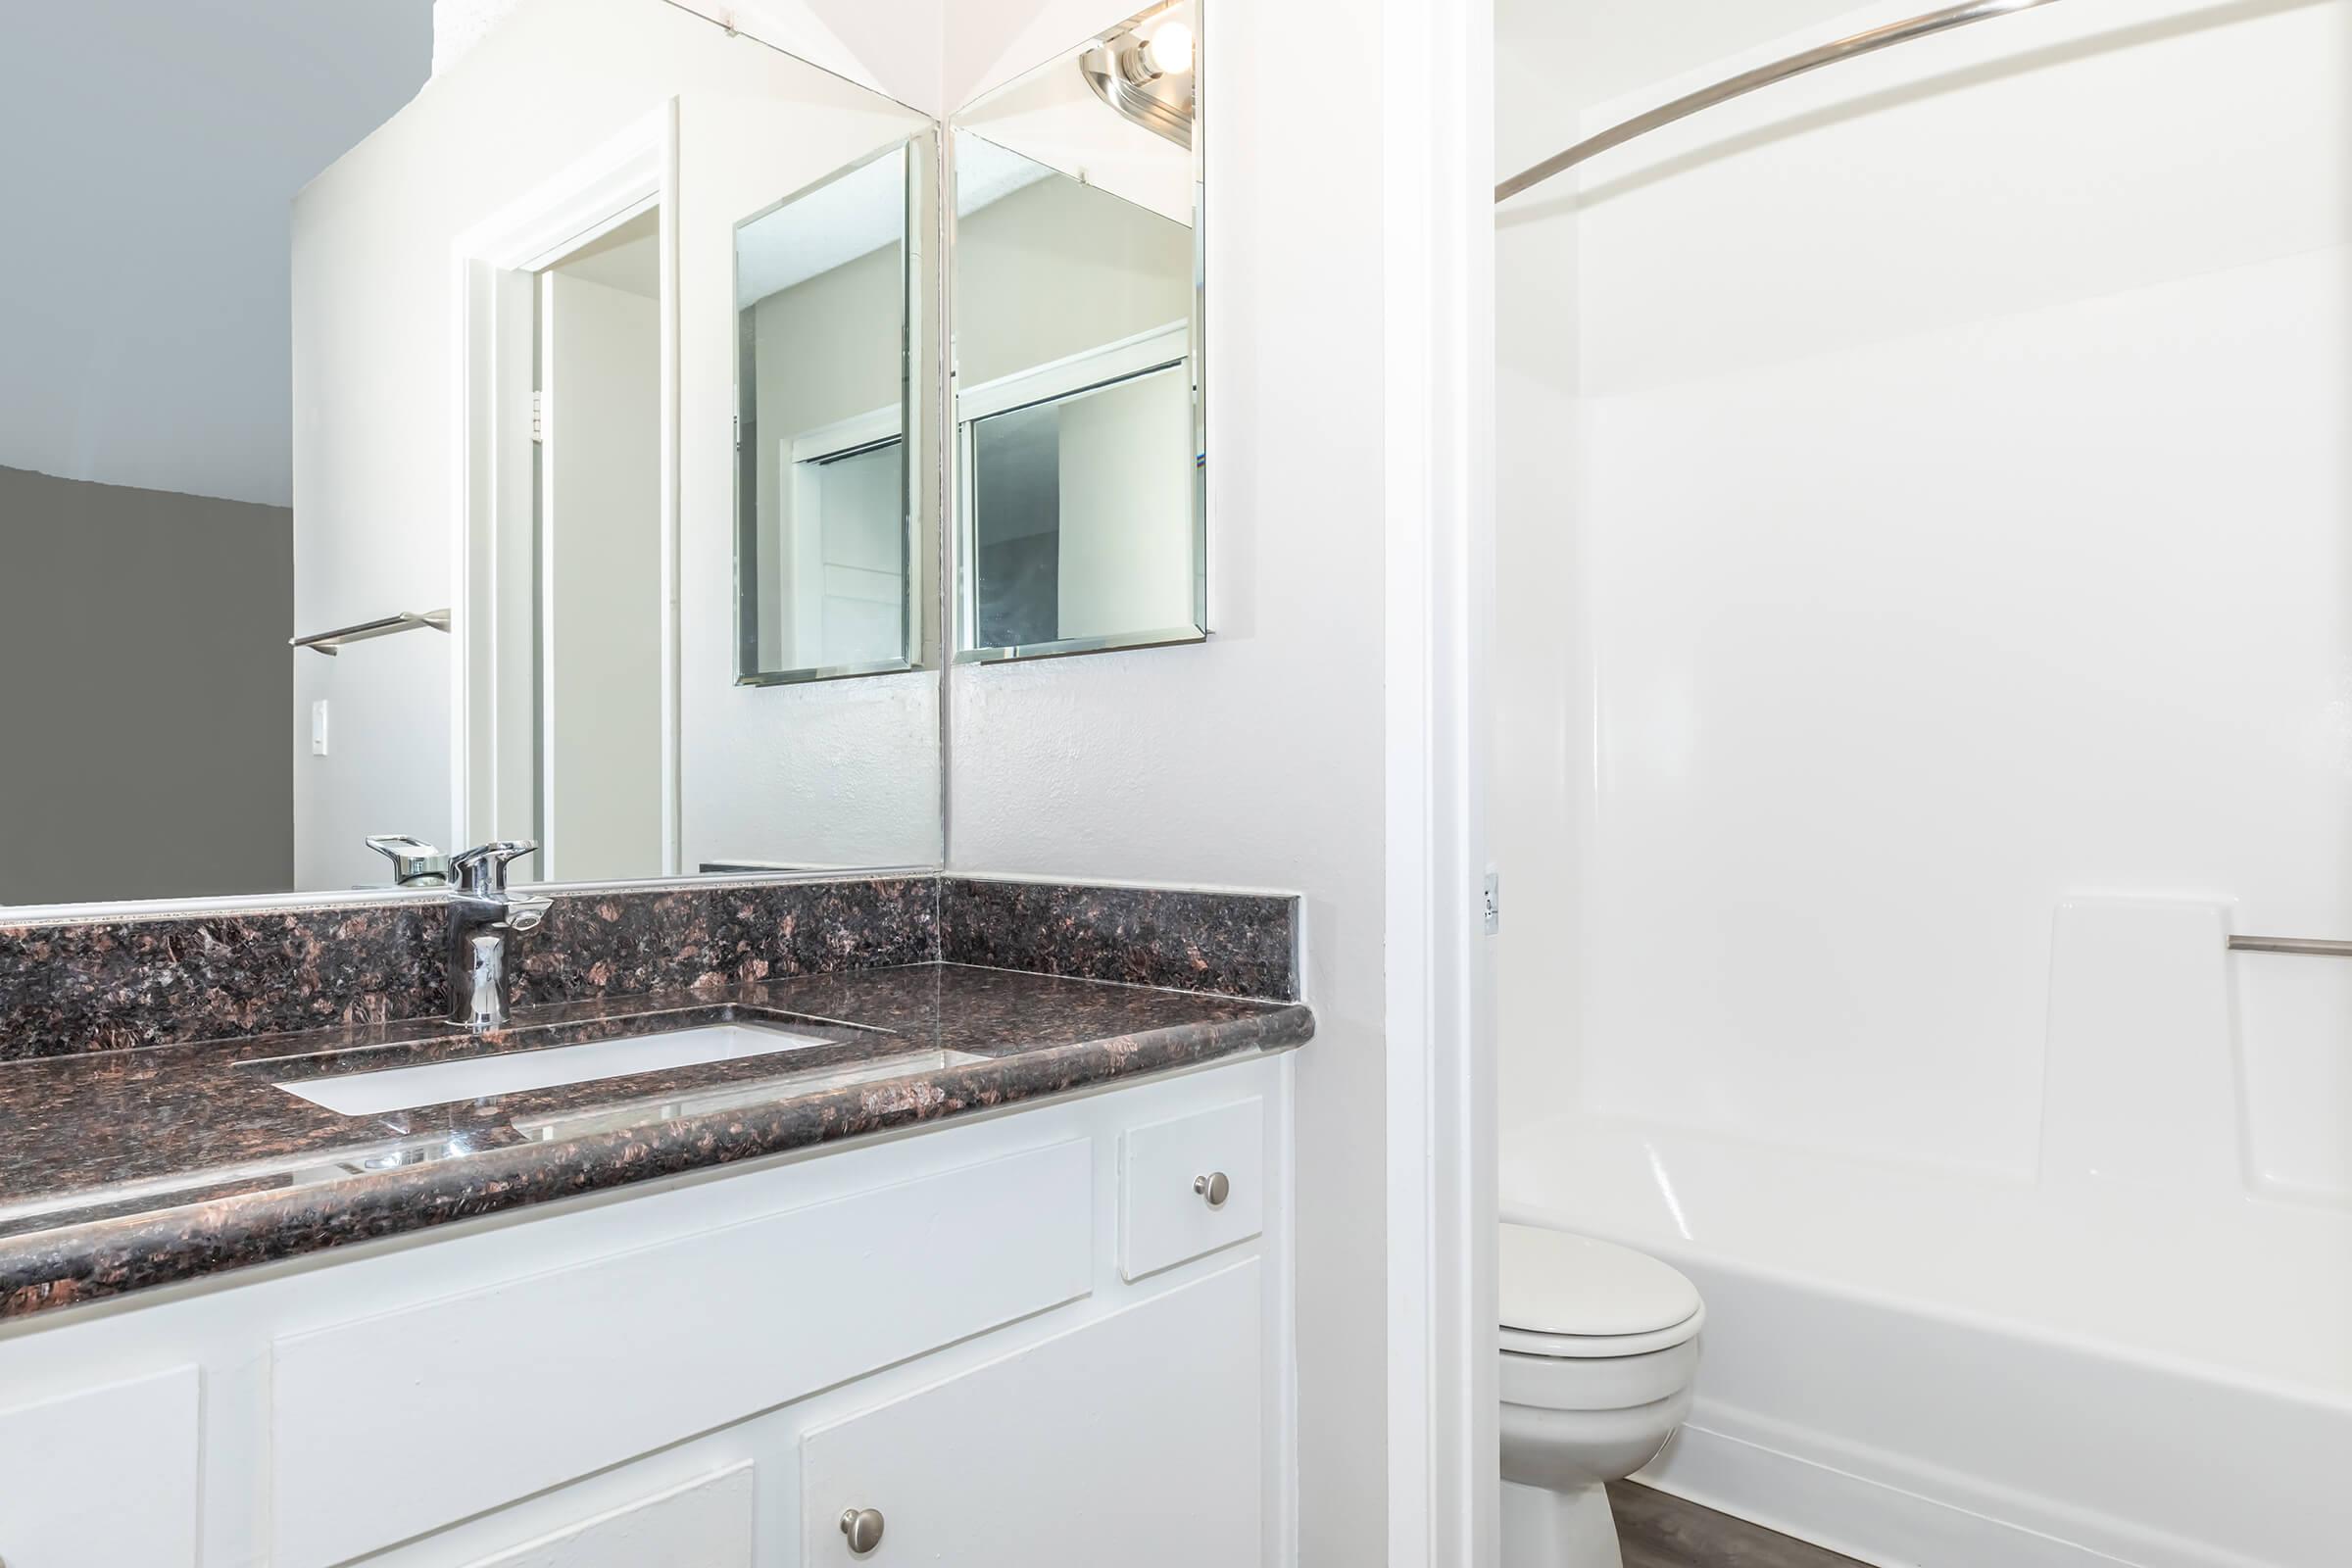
(1886, 1510)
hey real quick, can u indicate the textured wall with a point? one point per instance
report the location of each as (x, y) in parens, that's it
(1258, 757)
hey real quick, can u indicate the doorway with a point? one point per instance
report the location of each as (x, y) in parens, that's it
(594, 631)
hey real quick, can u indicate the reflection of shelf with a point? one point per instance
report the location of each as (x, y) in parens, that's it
(326, 642)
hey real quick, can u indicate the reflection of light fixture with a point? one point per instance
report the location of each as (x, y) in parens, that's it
(1146, 81)
(1169, 49)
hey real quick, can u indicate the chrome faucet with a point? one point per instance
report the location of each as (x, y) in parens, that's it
(482, 916)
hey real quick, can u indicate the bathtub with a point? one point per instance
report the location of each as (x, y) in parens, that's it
(1925, 1368)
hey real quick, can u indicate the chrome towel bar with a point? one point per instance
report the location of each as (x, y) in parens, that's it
(2309, 947)
(326, 642)
(1747, 81)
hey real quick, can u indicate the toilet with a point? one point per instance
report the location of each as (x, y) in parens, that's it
(1599, 1343)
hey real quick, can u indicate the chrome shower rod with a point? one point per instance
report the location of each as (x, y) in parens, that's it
(1747, 81)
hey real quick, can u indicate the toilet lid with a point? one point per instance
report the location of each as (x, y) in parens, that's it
(1556, 1283)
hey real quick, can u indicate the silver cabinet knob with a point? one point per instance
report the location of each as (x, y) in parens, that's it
(1215, 1187)
(863, 1527)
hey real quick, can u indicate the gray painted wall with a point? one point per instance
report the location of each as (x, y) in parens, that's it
(145, 688)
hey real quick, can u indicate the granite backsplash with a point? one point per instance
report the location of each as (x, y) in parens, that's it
(74, 986)
(1230, 943)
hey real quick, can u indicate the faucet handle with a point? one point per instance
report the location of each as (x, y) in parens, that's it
(484, 868)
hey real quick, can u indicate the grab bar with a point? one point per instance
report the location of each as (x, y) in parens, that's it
(326, 642)
(2308, 947)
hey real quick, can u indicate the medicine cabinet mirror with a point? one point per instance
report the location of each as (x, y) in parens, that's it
(832, 471)
(1079, 425)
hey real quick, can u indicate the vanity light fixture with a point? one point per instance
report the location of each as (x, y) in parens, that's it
(1168, 52)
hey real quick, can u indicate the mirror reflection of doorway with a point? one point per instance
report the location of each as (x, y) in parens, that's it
(591, 639)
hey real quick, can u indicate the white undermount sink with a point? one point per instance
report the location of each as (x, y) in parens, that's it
(370, 1094)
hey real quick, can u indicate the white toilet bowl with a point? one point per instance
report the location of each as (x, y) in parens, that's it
(1599, 1346)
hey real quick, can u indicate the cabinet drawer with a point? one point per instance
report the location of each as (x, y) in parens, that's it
(398, 1425)
(1167, 1177)
(102, 1478)
(703, 1524)
(1135, 1440)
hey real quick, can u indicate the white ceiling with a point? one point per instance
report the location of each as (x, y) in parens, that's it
(150, 150)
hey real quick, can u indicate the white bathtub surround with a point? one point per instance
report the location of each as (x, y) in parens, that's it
(1951, 517)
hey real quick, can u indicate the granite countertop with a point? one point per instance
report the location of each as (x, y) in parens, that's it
(124, 1170)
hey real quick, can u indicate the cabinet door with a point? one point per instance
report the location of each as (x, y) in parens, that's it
(102, 1478)
(1133, 1441)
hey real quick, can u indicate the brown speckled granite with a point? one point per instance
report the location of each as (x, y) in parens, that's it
(1231, 944)
(72, 986)
(113, 985)
(124, 1170)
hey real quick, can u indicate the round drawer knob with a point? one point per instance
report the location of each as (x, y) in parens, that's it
(1215, 1187)
(863, 1527)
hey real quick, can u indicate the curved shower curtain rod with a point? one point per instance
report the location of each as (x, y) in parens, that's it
(1747, 81)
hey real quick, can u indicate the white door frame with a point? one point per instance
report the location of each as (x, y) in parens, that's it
(605, 187)
(1438, 157)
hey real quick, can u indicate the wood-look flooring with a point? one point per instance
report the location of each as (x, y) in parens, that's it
(1657, 1531)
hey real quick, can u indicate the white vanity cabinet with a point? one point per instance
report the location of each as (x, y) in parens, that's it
(947, 1328)
(101, 1475)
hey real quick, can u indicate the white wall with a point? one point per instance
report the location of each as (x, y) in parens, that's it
(1953, 524)
(1057, 268)
(375, 438)
(149, 149)
(1256, 758)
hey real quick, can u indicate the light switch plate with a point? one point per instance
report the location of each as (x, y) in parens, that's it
(319, 727)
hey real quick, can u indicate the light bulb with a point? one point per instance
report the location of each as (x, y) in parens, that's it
(1169, 49)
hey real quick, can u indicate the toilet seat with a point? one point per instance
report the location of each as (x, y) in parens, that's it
(1568, 1297)
(1598, 1382)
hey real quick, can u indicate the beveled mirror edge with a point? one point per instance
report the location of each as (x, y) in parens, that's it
(198, 906)
(1068, 647)
(921, 330)
(955, 504)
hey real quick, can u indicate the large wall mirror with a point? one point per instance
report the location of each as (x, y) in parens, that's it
(1079, 430)
(368, 466)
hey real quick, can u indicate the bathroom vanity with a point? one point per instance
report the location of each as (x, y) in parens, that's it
(687, 438)
(975, 1266)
